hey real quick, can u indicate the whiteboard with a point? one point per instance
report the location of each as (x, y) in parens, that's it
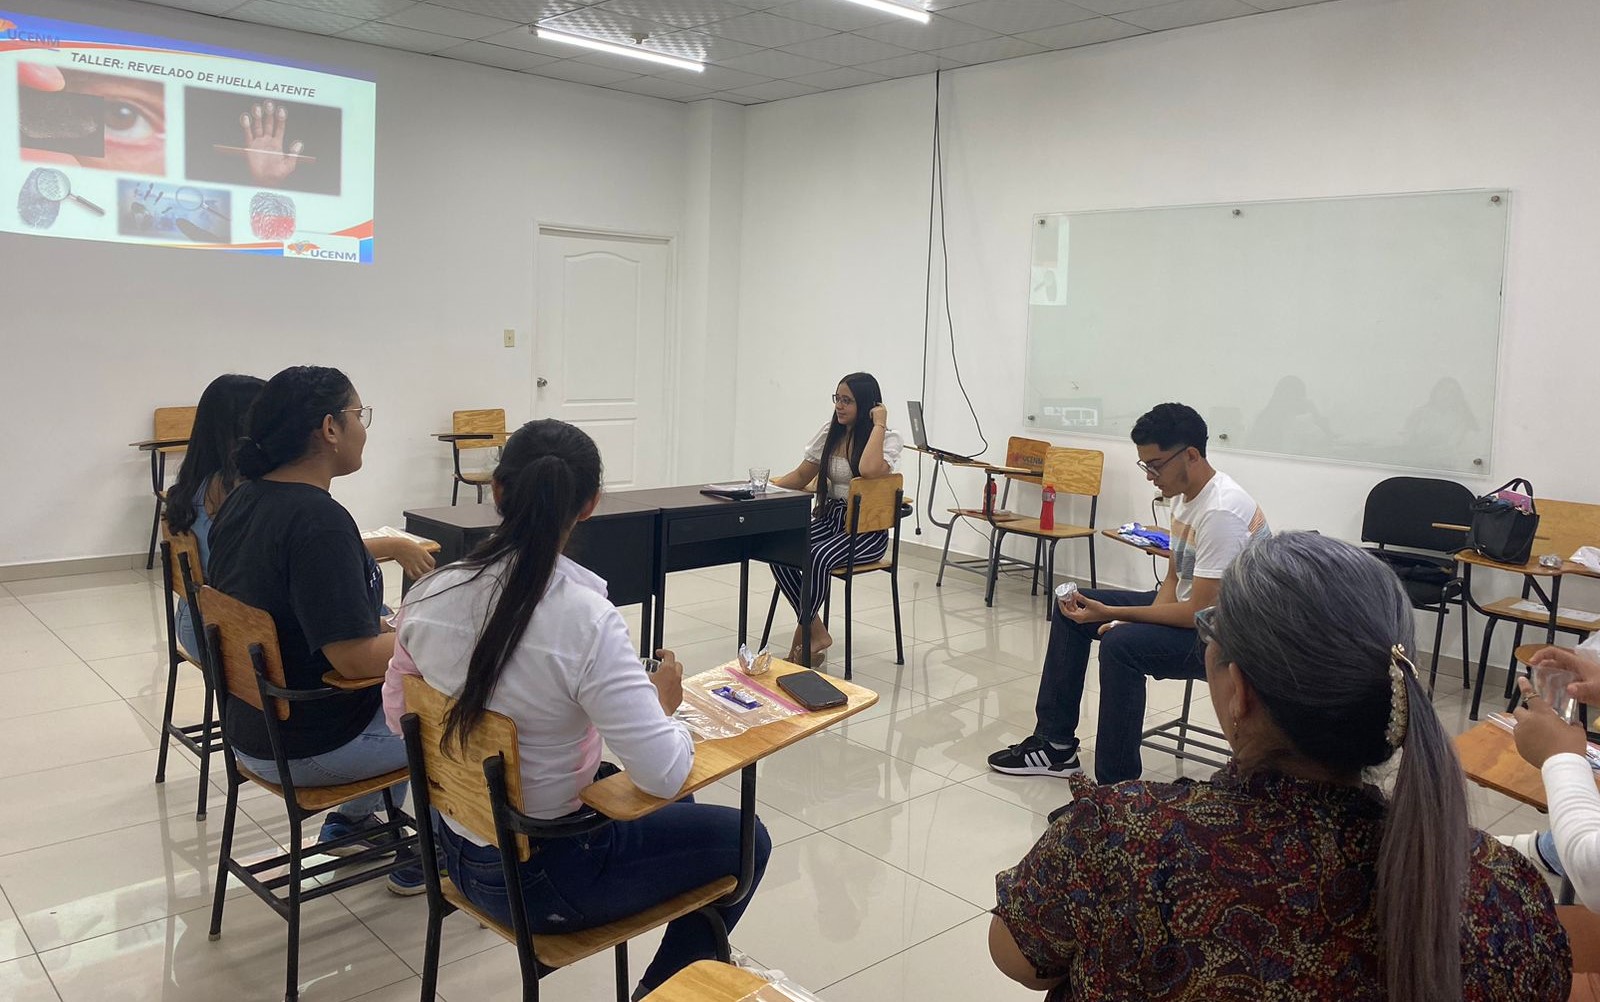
(1362, 330)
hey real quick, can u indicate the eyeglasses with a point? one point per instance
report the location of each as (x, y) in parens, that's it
(1205, 624)
(843, 400)
(365, 414)
(1154, 469)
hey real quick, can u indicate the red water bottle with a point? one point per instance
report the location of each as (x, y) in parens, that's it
(1047, 507)
(988, 500)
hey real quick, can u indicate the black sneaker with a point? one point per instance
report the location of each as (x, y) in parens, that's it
(1035, 756)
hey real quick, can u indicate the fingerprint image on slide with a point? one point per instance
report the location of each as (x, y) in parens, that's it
(271, 216)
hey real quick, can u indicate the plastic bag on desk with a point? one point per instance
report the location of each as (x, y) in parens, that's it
(715, 703)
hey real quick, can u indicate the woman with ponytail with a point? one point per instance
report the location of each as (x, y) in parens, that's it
(519, 629)
(281, 543)
(856, 442)
(1286, 875)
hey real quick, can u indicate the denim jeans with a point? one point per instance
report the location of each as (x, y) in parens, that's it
(373, 752)
(617, 871)
(1129, 653)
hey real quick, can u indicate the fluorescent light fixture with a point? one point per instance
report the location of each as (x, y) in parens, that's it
(890, 7)
(636, 51)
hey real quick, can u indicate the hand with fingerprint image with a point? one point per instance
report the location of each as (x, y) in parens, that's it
(271, 216)
(73, 118)
(263, 140)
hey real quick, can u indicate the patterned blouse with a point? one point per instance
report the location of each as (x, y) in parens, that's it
(1251, 887)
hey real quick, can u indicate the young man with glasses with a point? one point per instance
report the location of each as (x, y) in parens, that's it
(1141, 634)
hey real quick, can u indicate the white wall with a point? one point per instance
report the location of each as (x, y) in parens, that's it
(1349, 97)
(470, 160)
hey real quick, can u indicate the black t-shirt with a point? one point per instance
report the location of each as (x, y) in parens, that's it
(292, 551)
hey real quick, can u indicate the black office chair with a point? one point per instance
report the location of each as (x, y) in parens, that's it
(1402, 511)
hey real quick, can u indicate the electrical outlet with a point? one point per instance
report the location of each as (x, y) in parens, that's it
(511, 337)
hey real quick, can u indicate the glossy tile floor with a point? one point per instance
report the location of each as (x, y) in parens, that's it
(888, 829)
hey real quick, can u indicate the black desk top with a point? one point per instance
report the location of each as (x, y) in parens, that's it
(677, 499)
(484, 516)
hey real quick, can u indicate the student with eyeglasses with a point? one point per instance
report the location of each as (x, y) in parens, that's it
(1289, 874)
(855, 442)
(1141, 634)
(282, 544)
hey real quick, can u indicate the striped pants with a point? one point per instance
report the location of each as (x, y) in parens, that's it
(830, 548)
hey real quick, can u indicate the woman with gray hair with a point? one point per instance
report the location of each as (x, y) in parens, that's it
(1286, 875)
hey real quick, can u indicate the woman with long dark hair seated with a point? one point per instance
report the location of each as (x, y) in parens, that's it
(1287, 876)
(519, 629)
(281, 543)
(856, 442)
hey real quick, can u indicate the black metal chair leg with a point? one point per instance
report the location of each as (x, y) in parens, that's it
(772, 613)
(1094, 573)
(1438, 641)
(155, 534)
(292, 975)
(455, 491)
(849, 583)
(210, 723)
(166, 721)
(1483, 669)
(430, 954)
(622, 971)
(230, 811)
(1466, 673)
(894, 595)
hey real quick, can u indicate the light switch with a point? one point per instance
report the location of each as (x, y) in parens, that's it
(511, 337)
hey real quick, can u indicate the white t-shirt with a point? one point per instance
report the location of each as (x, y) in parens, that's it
(839, 474)
(1212, 529)
(574, 679)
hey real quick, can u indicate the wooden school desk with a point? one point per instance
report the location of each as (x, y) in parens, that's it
(708, 981)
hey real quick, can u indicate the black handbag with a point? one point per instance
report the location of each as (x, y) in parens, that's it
(1500, 530)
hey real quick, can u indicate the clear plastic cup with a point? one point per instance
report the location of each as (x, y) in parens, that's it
(760, 477)
(1551, 685)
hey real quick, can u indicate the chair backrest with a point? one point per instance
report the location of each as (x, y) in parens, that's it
(880, 502)
(1568, 524)
(240, 627)
(1074, 471)
(1400, 511)
(457, 787)
(479, 422)
(1027, 453)
(173, 422)
(182, 544)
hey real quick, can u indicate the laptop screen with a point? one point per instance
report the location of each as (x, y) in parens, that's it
(919, 434)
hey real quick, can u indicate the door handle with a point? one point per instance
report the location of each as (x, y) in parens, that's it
(541, 382)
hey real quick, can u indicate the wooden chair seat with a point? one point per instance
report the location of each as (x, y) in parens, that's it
(881, 565)
(477, 476)
(1524, 654)
(569, 948)
(334, 680)
(1030, 527)
(320, 798)
(1503, 609)
(978, 513)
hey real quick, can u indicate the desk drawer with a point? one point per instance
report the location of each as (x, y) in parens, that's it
(748, 519)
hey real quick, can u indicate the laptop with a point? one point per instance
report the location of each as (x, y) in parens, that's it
(919, 434)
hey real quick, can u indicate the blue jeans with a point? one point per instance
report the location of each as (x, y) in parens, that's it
(373, 752)
(617, 871)
(1129, 653)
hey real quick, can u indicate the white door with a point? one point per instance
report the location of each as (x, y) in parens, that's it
(600, 357)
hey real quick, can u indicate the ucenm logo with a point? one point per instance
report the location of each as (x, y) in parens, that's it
(303, 247)
(344, 249)
(10, 31)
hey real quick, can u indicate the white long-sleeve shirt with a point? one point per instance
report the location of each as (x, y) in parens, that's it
(574, 679)
(1575, 822)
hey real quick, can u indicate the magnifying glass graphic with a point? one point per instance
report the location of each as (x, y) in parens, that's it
(189, 200)
(53, 186)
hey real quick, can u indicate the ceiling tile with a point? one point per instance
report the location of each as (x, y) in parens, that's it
(356, 8)
(495, 55)
(521, 11)
(204, 6)
(446, 21)
(777, 90)
(776, 64)
(732, 97)
(846, 50)
(844, 76)
(618, 62)
(766, 29)
(912, 65)
(990, 51)
(1067, 36)
(395, 37)
(833, 14)
(570, 69)
(298, 18)
(938, 33)
(526, 40)
(721, 78)
(701, 47)
(678, 13)
(611, 25)
(671, 90)
(1009, 17)
(1184, 13)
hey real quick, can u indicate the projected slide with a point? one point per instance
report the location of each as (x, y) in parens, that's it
(108, 135)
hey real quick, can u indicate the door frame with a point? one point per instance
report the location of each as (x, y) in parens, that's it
(669, 372)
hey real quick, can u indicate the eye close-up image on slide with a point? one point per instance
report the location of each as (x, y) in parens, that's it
(136, 139)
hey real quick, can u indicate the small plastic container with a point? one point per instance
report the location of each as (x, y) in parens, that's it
(1067, 591)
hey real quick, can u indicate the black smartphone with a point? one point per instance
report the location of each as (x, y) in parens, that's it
(811, 690)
